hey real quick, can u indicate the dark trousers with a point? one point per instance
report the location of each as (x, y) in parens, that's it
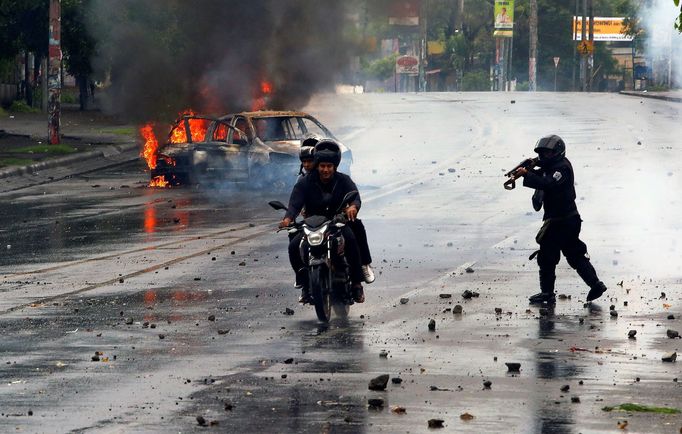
(351, 250)
(562, 236)
(360, 233)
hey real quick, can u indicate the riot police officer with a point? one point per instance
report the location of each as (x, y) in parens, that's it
(555, 192)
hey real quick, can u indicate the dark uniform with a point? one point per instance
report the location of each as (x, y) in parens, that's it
(323, 199)
(554, 185)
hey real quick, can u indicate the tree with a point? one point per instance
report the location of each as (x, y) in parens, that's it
(678, 22)
(555, 40)
(24, 28)
(78, 45)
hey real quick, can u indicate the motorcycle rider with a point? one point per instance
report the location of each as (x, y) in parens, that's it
(358, 228)
(555, 191)
(321, 192)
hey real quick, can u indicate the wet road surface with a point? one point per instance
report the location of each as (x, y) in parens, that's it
(131, 309)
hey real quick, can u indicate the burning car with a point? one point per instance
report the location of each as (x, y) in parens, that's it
(260, 148)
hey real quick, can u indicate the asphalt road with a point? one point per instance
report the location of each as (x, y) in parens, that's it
(130, 309)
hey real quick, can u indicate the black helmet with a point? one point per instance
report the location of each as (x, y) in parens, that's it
(551, 143)
(306, 153)
(327, 151)
(311, 139)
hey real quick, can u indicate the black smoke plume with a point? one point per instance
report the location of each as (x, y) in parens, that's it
(164, 56)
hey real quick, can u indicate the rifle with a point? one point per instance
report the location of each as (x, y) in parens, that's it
(527, 164)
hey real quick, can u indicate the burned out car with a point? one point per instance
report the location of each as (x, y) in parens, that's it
(259, 148)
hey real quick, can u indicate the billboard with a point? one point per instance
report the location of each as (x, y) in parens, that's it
(605, 29)
(504, 18)
(404, 13)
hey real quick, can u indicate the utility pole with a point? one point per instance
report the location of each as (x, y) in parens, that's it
(53, 73)
(590, 62)
(583, 55)
(422, 46)
(533, 52)
(575, 37)
(459, 20)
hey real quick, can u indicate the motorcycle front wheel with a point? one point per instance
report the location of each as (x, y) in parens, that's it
(342, 310)
(320, 287)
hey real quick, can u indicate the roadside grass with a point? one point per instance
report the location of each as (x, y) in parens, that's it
(59, 148)
(630, 407)
(21, 107)
(125, 131)
(10, 161)
(3, 113)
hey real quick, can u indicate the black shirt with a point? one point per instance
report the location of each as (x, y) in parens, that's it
(320, 198)
(556, 180)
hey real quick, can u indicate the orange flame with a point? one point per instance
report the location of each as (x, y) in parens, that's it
(159, 181)
(260, 102)
(197, 127)
(151, 145)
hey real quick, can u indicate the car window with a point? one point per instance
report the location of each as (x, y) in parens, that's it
(197, 127)
(220, 133)
(278, 128)
(312, 127)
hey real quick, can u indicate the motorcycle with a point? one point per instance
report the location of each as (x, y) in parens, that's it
(322, 251)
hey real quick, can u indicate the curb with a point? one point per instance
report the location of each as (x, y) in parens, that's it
(107, 151)
(652, 96)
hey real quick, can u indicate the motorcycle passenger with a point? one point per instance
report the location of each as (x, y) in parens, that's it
(306, 154)
(321, 192)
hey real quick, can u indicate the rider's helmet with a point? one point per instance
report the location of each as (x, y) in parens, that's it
(311, 139)
(552, 144)
(306, 153)
(327, 151)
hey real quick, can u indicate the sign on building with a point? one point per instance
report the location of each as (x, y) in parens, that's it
(404, 13)
(407, 65)
(605, 29)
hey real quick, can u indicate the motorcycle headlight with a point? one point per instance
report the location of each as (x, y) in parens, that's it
(315, 238)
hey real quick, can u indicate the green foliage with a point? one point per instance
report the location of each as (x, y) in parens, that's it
(69, 98)
(476, 81)
(381, 69)
(678, 21)
(78, 45)
(642, 408)
(119, 131)
(21, 107)
(3, 113)
(59, 148)
(11, 161)
(24, 27)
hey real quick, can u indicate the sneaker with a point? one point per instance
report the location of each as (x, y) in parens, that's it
(542, 298)
(596, 291)
(305, 297)
(358, 294)
(368, 273)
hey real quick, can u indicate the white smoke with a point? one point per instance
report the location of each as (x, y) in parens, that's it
(663, 48)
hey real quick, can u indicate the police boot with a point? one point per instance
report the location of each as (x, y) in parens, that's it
(587, 272)
(596, 291)
(547, 289)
